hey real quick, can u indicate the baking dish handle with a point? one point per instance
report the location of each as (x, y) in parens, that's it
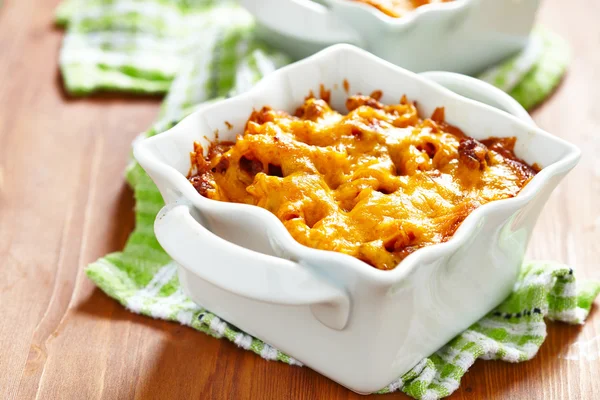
(481, 91)
(309, 20)
(259, 277)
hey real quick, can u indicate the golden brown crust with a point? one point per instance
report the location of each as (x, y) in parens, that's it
(378, 183)
(473, 153)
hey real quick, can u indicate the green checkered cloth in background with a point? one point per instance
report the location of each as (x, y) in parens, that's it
(196, 50)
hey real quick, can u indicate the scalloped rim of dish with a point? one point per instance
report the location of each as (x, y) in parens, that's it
(408, 19)
(287, 242)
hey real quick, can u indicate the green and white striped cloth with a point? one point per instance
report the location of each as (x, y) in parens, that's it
(198, 50)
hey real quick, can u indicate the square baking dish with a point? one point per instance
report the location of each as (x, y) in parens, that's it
(463, 36)
(357, 325)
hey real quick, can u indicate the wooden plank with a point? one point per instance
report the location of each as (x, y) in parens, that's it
(63, 204)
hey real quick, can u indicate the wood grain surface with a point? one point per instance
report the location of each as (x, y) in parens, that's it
(64, 203)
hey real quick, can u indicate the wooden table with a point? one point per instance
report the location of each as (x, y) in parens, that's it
(64, 203)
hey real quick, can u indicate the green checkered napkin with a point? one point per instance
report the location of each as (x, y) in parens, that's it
(199, 50)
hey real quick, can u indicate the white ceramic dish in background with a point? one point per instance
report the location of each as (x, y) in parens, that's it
(359, 326)
(463, 36)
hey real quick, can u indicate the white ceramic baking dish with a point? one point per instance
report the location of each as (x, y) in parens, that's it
(463, 36)
(360, 326)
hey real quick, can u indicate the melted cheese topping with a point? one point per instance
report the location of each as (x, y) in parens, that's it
(377, 183)
(399, 8)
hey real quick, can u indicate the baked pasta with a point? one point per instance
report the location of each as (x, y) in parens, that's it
(377, 183)
(398, 8)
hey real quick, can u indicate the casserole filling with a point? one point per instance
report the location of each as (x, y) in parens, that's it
(377, 183)
(399, 8)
